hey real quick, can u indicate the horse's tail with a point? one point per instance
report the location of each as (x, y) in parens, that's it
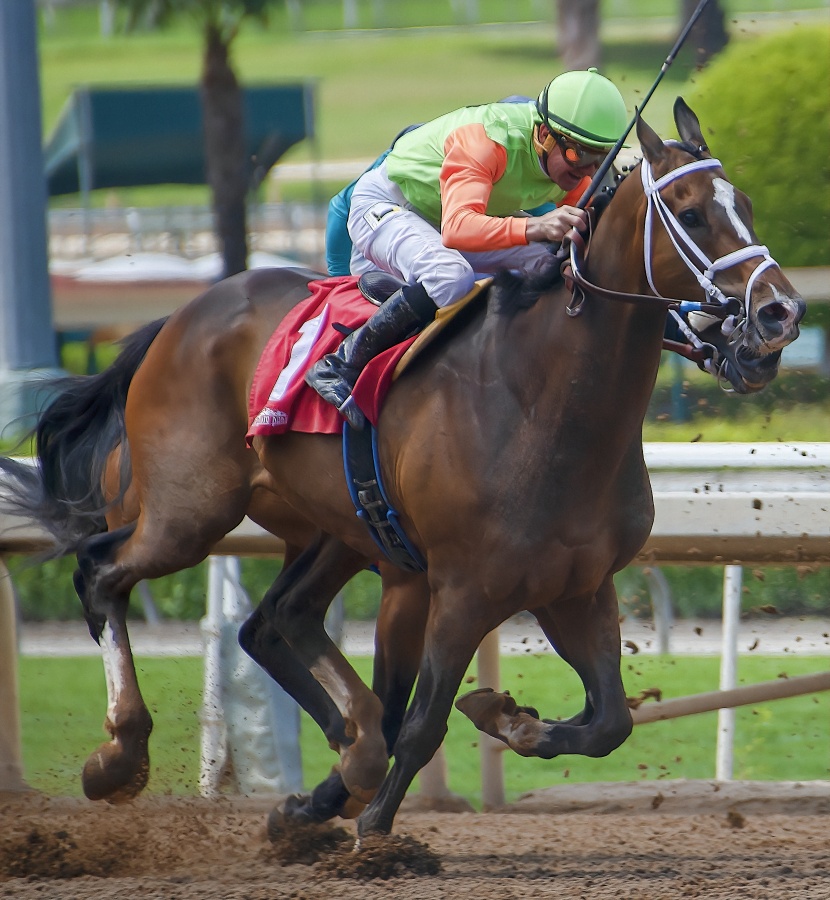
(74, 436)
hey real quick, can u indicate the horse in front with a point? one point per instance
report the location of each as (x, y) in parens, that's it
(511, 447)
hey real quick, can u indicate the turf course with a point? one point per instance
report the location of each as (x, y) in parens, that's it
(63, 701)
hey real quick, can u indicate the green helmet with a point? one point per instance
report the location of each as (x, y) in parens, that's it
(585, 106)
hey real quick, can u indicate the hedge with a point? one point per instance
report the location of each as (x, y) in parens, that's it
(763, 104)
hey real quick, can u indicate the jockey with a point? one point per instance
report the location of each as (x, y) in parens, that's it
(440, 208)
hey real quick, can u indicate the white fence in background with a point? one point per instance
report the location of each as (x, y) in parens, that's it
(722, 504)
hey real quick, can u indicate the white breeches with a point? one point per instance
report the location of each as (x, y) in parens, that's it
(388, 234)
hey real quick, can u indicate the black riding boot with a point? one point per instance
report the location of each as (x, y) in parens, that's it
(405, 313)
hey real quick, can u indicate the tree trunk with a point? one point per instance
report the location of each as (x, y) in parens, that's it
(709, 36)
(227, 171)
(578, 33)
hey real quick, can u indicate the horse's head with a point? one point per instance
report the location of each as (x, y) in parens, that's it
(700, 243)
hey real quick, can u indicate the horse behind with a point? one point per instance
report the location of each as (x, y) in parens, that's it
(512, 449)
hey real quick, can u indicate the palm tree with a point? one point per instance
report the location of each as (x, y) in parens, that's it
(227, 168)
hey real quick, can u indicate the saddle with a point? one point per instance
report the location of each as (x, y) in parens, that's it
(360, 447)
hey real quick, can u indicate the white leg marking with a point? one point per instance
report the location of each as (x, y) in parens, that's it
(112, 670)
(725, 196)
(334, 685)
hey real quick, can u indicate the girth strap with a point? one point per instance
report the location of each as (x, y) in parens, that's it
(363, 478)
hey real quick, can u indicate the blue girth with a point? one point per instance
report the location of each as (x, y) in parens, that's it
(362, 468)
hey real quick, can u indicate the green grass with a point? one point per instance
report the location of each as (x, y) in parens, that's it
(63, 702)
(370, 84)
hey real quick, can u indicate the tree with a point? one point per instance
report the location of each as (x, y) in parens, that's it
(227, 167)
(578, 33)
(709, 35)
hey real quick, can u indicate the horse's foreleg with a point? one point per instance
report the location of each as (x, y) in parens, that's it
(558, 642)
(448, 648)
(588, 631)
(118, 770)
(399, 643)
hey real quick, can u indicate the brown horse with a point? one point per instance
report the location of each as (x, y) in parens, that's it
(512, 449)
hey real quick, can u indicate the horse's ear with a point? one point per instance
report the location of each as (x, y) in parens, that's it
(650, 142)
(688, 126)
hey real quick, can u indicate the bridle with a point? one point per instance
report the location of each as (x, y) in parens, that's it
(732, 311)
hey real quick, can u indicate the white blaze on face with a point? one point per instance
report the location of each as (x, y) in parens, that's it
(725, 196)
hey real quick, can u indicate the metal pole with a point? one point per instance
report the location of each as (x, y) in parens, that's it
(492, 765)
(27, 339)
(213, 754)
(732, 578)
(11, 757)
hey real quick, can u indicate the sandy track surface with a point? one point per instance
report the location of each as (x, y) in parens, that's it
(646, 841)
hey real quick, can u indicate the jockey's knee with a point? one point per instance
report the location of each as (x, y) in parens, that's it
(449, 281)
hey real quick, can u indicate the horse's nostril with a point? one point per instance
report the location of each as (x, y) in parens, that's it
(776, 312)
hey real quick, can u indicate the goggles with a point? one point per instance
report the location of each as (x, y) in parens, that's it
(576, 155)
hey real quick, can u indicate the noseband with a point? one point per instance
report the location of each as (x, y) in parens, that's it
(731, 310)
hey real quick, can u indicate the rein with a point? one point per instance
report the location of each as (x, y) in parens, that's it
(731, 310)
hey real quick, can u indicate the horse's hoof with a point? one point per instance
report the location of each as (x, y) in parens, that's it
(352, 808)
(484, 705)
(363, 766)
(277, 824)
(114, 775)
(296, 809)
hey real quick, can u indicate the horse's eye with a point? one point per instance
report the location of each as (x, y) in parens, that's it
(690, 218)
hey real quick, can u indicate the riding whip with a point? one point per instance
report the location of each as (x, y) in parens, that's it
(602, 171)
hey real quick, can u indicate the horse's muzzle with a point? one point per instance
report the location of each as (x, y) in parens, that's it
(748, 373)
(776, 322)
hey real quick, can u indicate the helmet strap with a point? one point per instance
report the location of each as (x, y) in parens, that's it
(543, 147)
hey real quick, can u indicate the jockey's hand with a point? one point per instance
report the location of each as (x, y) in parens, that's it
(553, 226)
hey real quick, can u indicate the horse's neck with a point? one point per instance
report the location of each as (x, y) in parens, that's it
(593, 373)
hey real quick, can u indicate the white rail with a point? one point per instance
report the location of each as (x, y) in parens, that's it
(715, 504)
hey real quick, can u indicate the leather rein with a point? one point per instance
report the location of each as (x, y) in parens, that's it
(731, 310)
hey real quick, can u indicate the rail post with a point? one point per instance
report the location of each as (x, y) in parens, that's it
(11, 757)
(724, 754)
(492, 769)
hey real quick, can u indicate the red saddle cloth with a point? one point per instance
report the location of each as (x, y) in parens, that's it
(280, 400)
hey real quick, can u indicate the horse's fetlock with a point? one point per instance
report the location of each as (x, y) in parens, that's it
(136, 725)
(612, 737)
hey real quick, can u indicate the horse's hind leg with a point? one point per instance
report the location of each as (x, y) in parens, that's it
(296, 611)
(261, 640)
(587, 631)
(119, 768)
(109, 566)
(399, 642)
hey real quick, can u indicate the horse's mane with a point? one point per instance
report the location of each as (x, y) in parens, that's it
(513, 293)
